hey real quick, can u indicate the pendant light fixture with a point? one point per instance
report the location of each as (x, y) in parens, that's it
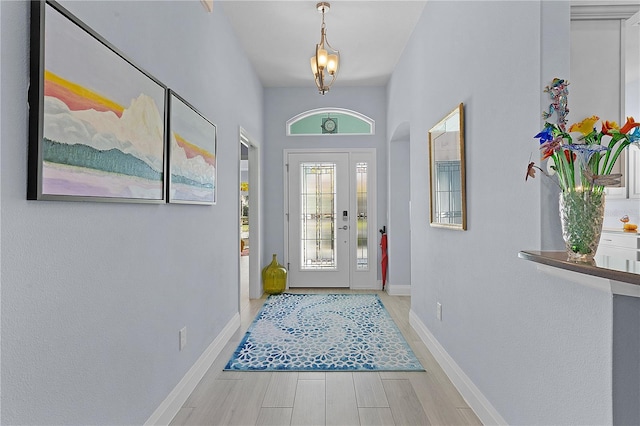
(325, 62)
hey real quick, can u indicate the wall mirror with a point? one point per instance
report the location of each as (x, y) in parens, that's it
(447, 172)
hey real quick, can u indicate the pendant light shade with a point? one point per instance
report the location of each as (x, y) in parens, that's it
(325, 62)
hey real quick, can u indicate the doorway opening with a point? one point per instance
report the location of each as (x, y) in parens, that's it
(249, 220)
(245, 245)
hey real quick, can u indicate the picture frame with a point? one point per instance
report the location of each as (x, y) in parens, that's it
(97, 121)
(192, 154)
(208, 5)
(447, 171)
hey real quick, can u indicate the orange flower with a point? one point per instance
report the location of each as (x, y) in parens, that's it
(585, 126)
(607, 126)
(630, 124)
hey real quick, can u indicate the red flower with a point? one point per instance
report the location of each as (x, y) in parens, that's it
(567, 154)
(630, 124)
(550, 146)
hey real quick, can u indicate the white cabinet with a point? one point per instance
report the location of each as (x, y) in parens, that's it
(619, 250)
(619, 239)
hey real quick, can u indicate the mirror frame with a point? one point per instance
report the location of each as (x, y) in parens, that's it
(459, 110)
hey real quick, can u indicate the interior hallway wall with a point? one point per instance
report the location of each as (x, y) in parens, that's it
(94, 294)
(537, 347)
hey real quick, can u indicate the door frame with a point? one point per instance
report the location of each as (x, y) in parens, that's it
(368, 279)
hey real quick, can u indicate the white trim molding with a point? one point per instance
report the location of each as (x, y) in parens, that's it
(398, 290)
(164, 414)
(480, 405)
(592, 10)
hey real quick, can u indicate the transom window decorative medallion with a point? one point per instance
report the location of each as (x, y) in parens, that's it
(329, 125)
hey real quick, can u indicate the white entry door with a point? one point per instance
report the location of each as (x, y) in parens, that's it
(329, 237)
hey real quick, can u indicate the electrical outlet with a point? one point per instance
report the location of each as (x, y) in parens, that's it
(439, 310)
(183, 337)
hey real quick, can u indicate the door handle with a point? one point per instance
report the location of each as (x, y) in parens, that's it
(345, 227)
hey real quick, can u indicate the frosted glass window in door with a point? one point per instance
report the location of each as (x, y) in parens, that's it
(318, 216)
(362, 255)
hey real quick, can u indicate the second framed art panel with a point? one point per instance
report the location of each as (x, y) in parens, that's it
(192, 154)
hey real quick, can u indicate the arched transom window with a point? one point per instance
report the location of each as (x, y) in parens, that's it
(330, 121)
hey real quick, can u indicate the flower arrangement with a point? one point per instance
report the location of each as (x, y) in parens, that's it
(586, 163)
(583, 158)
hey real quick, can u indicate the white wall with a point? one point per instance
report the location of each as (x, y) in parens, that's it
(1, 91)
(596, 90)
(595, 78)
(93, 294)
(536, 346)
(281, 104)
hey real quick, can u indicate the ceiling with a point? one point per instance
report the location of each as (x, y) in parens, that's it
(279, 37)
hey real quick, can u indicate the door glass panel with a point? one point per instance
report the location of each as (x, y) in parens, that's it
(318, 216)
(362, 255)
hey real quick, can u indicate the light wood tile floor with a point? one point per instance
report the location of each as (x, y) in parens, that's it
(332, 398)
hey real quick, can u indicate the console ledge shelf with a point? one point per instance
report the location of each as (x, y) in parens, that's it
(608, 273)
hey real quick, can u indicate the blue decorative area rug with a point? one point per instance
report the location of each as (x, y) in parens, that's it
(323, 332)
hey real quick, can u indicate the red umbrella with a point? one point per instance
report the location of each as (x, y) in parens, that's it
(385, 258)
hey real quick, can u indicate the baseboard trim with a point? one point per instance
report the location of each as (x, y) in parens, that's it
(177, 397)
(486, 412)
(398, 290)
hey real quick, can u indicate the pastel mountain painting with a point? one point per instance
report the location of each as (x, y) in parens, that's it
(94, 147)
(192, 155)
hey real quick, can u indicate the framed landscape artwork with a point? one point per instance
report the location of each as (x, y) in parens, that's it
(97, 121)
(192, 154)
